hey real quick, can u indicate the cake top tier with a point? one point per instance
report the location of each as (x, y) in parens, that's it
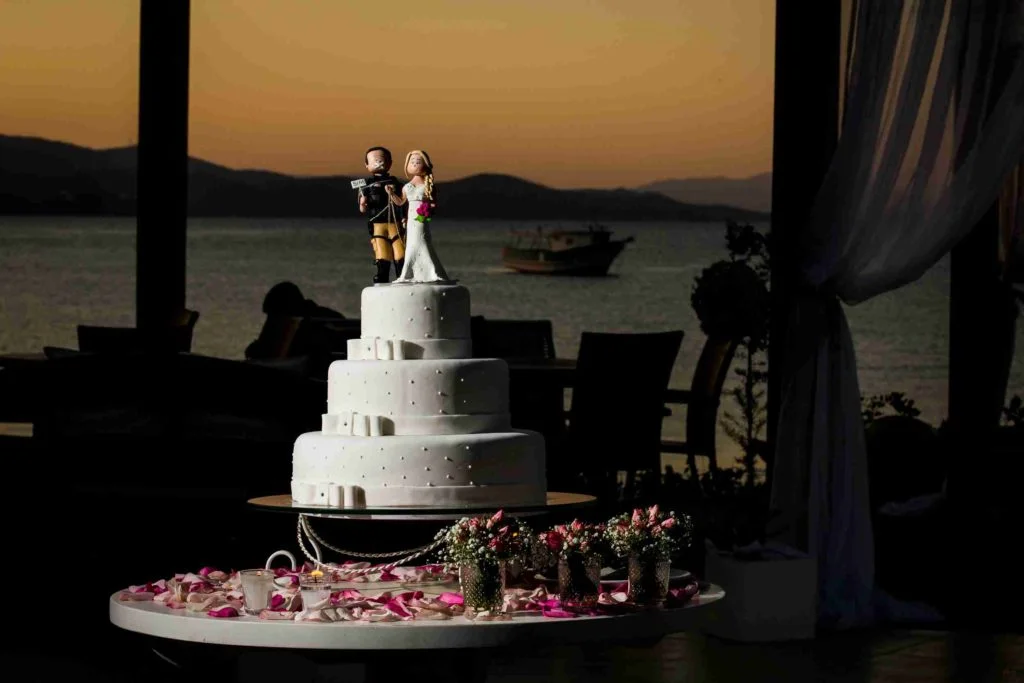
(415, 312)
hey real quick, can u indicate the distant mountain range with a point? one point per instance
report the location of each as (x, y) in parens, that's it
(46, 177)
(753, 193)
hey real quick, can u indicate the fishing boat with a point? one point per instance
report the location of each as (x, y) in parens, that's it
(563, 252)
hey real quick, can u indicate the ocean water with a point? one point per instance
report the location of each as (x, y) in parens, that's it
(57, 272)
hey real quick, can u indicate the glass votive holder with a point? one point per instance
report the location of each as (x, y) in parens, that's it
(257, 587)
(315, 588)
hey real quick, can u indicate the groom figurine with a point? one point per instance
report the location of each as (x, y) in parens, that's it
(382, 216)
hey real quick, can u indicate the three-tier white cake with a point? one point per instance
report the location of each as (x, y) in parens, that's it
(412, 419)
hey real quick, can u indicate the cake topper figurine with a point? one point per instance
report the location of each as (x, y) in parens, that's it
(421, 261)
(382, 218)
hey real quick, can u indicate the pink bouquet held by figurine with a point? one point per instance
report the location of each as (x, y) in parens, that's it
(423, 213)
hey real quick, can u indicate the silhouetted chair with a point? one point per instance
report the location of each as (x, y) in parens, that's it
(174, 338)
(512, 339)
(275, 339)
(324, 340)
(702, 402)
(617, 408)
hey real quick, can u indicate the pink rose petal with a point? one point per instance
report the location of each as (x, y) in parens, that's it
(398, 608)
(451, 599)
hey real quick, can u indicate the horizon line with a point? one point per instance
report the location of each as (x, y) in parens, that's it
(347, 177)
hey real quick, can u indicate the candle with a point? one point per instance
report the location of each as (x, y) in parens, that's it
(315, 589)
(257, 587)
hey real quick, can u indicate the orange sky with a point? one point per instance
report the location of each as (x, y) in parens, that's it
(571, 93)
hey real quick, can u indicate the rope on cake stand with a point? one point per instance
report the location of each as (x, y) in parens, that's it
(304, 528)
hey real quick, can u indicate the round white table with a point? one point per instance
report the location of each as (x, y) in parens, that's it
(459, 633)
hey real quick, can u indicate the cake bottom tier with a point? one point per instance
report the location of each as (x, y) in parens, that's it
(498, 469)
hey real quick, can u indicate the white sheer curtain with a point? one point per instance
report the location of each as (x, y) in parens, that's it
(927, 139)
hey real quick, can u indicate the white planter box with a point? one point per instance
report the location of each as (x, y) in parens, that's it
(765, 600)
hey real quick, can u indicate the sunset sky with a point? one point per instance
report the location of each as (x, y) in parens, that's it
(570, 93)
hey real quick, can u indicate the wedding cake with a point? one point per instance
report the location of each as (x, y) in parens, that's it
(412, 419)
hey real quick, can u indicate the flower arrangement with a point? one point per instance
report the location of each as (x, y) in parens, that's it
(648, 533)
(484, 539)
(576, 538)
(423, 212)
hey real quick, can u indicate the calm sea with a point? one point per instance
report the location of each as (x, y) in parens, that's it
(56, 272)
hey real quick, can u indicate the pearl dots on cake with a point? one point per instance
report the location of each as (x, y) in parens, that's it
(449, 476)
(447, 458)
(426, 469)
(424, 448)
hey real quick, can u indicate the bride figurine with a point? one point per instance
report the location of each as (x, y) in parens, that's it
(421, 262)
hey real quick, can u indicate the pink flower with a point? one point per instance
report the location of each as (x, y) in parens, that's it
(553, 540)
(669, 523)
(652, 514)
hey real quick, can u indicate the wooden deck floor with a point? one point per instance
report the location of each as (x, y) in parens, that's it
(866, 657)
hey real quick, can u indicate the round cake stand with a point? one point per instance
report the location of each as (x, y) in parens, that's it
(556, 501)
(369, 641)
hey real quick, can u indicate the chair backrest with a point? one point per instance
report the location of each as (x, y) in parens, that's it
(100, 339)
(326, 335)
(519, 339)
(706, 392)
(276, 336)
(618, 398)
(186, 317)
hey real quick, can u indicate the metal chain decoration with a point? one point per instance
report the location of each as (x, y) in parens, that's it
(304, 528)
(353, 553)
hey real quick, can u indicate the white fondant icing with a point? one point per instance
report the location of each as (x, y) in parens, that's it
(415, 311)
(412, 419)
(423, 425)
(410, 349)
(464, 386)
(456, 465)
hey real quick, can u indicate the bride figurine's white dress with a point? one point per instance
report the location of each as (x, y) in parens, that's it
(421, 262)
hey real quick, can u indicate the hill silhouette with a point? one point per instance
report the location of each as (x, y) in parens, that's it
(40, 176)
(753, 193)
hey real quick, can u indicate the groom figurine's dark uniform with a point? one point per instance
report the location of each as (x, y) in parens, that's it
(382, 217)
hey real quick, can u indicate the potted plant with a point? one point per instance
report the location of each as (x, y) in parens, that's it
(647, 538)
(580, 548)
(480, 548)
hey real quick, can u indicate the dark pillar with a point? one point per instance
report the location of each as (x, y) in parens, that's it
(982, 316)
(807, 68)
(163, 162)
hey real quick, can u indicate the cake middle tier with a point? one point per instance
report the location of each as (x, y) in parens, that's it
(445, 396)
(500, 469)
